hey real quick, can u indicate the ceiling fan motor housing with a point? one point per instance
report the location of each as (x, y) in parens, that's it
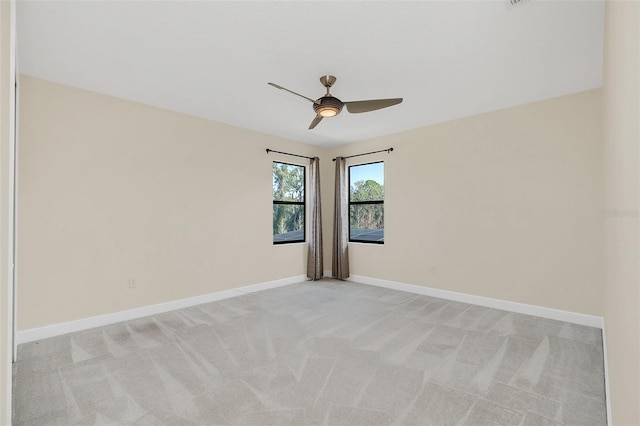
(328, 106)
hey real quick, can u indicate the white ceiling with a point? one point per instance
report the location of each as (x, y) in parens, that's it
(213, 59)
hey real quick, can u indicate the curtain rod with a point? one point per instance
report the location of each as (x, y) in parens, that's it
(367, 153)
(286, 153)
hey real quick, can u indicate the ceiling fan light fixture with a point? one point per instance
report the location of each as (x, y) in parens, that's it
(328, 106)
(328, 111)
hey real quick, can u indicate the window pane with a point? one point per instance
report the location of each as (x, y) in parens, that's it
(288, 182)
(367, 182)
(288, 203)
(366, 203)
(366, 222)
(288, 223)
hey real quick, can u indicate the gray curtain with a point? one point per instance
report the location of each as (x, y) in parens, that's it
(340, 263)
(314, 257)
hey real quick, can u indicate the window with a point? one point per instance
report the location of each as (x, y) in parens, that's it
(288, 203)
(366, 203)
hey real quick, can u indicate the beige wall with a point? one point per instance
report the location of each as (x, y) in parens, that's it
(506, 204)
(622, 204)
(112, 190)
(6, 239)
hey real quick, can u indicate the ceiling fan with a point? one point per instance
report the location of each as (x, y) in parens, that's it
(330, 106)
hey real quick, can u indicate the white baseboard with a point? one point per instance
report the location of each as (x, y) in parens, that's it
(505, 305)
(52, 330)
(270, 284)
(607, 394)
(58, 329)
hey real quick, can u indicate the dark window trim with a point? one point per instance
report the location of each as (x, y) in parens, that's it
(367, 202)
(352, 240)
(356, 203)
(294, 203)
(299, 203)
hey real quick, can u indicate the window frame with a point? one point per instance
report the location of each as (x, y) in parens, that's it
(292, 203)
(355, 203)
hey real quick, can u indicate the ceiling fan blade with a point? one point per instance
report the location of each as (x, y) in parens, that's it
(315, 121)
(291, 91)
(371, 105)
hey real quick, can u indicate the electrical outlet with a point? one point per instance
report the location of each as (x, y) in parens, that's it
(132, 283)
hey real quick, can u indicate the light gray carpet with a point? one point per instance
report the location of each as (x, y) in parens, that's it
(329, 352)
